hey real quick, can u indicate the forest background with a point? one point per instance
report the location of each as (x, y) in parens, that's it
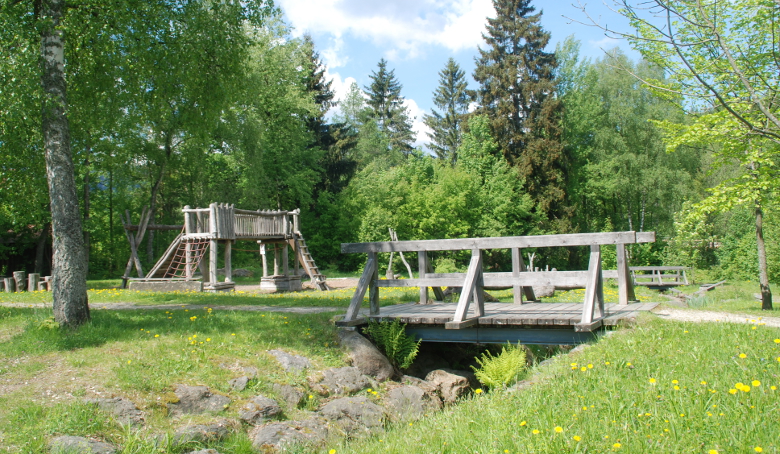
(186, 103)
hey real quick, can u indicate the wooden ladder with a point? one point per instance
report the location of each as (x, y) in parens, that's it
(305, 258)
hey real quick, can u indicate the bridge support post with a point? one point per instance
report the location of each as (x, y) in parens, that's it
(625, 283)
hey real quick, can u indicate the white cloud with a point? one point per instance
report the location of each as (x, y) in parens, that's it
(606, 43)
(332, 54)
(402, 26)
(420, 129)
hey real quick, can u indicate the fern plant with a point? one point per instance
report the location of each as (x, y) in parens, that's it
(502, 369)
(392, 340)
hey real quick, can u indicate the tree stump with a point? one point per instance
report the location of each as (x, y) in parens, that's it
(19, 278)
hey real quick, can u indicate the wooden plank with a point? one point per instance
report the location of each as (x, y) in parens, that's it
(469, 284)
(625, 283)
(373, 290)
(134, 228)
(422, 263)
(461, 324)
(658, 268)
(645, 237)
(591, 290)
(360, 291)
(571, 279)
(570, 239)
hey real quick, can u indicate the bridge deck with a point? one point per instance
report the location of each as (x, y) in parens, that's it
(530, 323)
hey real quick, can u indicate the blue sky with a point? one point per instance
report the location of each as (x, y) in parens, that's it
(417, 37)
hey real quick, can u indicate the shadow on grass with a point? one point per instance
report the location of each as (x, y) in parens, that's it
(41, 335)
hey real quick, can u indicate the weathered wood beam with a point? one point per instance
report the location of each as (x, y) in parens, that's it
(369, 272)
(593, 305)
(470, 288)
(573, 239)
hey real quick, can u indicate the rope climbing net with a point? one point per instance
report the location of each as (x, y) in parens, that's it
(187, 258)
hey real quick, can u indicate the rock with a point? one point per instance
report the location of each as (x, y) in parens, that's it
(341, 380)
(291, 395)
(277, 436)
(290, 362)
(123, 410)
(257, 410)
(201, 433)
(365, 356)
(451, 384)
(354, 415)
(239, 384)
(543, 291)
(196, 400)
(410, 402)
(79, 445)
(452, 293)
(205, 451)
(241, 272)
(250, 372)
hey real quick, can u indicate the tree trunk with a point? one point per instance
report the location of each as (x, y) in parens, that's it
(69, 266)
(86, 210)
(155, 191)
(763, 276)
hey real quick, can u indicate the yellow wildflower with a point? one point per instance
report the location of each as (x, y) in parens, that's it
(558, 429)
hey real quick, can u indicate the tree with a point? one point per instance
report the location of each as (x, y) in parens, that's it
(452, 98)
(386, 108)
(517, 92)
(722, 61)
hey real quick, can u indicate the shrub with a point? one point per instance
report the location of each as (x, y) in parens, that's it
(392, 340)
(502, 369)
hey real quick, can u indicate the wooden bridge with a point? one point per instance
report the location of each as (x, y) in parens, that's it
(520, 321)
(205, 229)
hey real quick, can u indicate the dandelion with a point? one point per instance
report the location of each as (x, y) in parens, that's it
(703, 382)
(758, 449)
(233, 334)
(523, 423)
(576, 438)
(652, 381)
(777, 341)
(755, 383)
(773, 388)
(583, 368)
(535, 432)
(558, 429)
(742, 355)
(590, 366)
(332, 451)
(478, 390)
(156, 335)
(617, 445)
(676, 388)
(732, 391)
(129, 361)
(674, 382)
(712, 451)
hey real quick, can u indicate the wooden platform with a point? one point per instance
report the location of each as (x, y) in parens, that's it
(530, 323)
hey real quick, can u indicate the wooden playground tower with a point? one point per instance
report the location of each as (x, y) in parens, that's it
(205, 229)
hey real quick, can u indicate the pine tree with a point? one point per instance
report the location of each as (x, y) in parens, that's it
(387, 108)
(320, 89)
(452, 98)
(517, 92)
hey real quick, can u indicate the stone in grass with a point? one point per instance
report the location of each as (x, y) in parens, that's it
(354, 415)
(365, 356)
(278, 436)
(290, 362)
(196, 400)
(451, 384)
(257, 410)
(205, 451)
(341, 380)
(239, 383)
(410, 402)
(289, 394)
(123, 410)
(201, 433)
(79, 445)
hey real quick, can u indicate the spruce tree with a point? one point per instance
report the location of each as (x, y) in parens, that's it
(386, 108)
(517, 92)
(452, 98)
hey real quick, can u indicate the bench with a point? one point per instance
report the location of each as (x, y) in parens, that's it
(519, 279)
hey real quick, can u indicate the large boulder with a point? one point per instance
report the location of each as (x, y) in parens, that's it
(354, 415)
(410, 402)
(123, 410)
(277, 436)
(543, 291)
(79, 445)
(365, 356)
(196, 400)
(341, 380)
(290, 362)
(257, 410)
(451, 384)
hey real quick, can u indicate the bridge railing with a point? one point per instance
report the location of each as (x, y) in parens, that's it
(225, 222)
(520, 279)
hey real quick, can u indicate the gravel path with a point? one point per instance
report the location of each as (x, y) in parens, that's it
(709, 316)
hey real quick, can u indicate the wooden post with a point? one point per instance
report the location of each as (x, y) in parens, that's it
(265, 262)
(373, 290)
(19, 278)
(228, 261)
(213, 250)
(472, 290)
(276, 259)
(32, 281)
(8, 282)
(296, 254)
(285, 260)
(422, 262)
(369, 272)
(593, 305)
(625, 282)
(189, 269)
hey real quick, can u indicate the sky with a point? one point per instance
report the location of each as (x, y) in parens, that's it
(417, 37)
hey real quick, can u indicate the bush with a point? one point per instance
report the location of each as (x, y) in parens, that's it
(392, 340)
(500, 370)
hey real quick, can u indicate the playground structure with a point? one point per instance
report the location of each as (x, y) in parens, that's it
(205, 229)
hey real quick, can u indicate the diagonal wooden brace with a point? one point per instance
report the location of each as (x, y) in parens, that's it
(593, 306)
(472, 290)
(366, 280)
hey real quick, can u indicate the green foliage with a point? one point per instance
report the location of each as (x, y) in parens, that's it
(392, 340)
(502, 369)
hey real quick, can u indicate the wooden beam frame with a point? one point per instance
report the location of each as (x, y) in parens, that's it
(473, 287)
(366, 282)
(593, 306)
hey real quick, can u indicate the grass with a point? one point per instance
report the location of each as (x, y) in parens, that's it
(659, 387)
